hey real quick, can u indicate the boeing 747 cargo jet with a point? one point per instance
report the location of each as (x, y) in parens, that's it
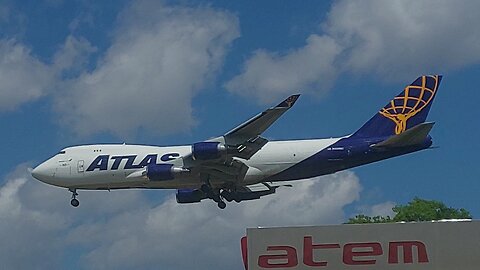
(233, 166)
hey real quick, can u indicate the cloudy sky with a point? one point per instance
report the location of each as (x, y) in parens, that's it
(179, 72)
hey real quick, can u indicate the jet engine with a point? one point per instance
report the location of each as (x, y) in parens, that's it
(162, 172)
(189, 195)
(208, 150)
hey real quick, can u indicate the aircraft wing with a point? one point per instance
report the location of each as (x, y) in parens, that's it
(241, 142)
(252, 128)
(244, 140)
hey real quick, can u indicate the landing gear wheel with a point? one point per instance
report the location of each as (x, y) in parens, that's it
(74, 202)
(212, 193)
(222, 205)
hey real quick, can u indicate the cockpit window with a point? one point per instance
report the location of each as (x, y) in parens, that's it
(61, 152)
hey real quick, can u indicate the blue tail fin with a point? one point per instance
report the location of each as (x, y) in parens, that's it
(405, 111)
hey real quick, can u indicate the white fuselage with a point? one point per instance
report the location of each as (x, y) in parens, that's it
(108, 166)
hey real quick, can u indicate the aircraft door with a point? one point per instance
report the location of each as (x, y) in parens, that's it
(80, 166)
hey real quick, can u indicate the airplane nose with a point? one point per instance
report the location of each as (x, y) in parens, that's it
(43, 173)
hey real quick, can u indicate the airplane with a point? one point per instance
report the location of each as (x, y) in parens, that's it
(242, 165)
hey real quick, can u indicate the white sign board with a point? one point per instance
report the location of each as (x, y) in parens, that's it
(425, 246)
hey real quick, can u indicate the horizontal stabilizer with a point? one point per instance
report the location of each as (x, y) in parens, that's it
(413, 136)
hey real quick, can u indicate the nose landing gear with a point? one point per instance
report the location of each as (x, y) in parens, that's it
(74, 202)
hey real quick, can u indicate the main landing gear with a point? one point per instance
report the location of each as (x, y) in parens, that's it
(221, 204)
(214, 195)
(74, 202)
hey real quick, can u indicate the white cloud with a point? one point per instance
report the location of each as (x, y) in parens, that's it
(26, 232)
(159, 59)
(381, 209)
(406, 38)
(392, 40)
(268, 75)
(121, 230)
(35, 220)
(23, 77)
(73, 55)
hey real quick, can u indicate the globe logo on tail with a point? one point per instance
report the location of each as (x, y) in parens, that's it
(408, 104)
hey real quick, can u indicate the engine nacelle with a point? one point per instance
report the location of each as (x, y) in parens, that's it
(163, 172)
(189, 195)
(208, 150)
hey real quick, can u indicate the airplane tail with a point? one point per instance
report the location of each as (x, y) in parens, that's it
(409, 109)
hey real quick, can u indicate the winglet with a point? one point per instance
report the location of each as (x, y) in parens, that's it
(288, 103)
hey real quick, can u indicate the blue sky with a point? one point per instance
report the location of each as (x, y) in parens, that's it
(178, 72)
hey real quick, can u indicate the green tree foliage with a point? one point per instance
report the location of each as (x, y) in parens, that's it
(424, 210)
(361, 219)
(416, 210)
